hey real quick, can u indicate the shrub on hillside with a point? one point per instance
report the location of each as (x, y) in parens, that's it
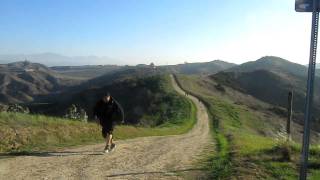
(17, 108)
(76, 113)
(3, 108)
(220, 88)
(279, 111)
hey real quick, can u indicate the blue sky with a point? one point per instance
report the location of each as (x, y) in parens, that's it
(162, 31)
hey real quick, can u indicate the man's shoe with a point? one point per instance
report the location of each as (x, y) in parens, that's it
(106, 149)
(113, 146)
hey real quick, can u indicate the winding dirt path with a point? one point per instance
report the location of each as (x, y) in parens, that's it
(166, 157)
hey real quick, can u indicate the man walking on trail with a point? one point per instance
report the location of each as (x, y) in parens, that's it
(104, 110)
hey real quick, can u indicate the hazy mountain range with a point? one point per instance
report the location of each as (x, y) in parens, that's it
(53, 59)
(203, 68)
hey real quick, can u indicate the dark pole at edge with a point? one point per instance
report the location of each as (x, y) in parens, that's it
(309, 96)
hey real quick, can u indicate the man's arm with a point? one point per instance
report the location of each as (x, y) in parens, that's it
(118, 108)
(95, 110)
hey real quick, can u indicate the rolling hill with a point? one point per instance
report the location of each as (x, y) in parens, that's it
(265, 85)
(270, 79)
(271, 63)
(23, 81)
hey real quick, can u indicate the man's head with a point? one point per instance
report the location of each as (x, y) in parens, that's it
(106, 97)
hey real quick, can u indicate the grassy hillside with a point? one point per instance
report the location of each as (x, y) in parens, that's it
(265, 85)
(24, 132)
(270, 79)
(272, 63)
(249, 143)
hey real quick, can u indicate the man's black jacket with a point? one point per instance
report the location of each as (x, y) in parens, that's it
(105, 110)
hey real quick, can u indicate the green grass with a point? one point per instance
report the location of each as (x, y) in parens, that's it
(22, 132)
(219, 161)
(242, 147)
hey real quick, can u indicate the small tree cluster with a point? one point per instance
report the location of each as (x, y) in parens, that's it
(76, 113)
(3, 108)
(17, 108)
(220, 88)
(152, 65)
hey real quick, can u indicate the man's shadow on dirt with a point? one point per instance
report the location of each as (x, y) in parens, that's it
(50, 154)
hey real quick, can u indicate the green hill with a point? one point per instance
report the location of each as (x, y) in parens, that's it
(147, 97)
(265, 85)
(274, 64)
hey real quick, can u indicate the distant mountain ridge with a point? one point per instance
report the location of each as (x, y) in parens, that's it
(200, 68)
(53, 59)
(87, 71)
(93, 71)
(272, 63)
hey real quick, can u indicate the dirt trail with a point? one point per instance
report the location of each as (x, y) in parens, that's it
(166, 157)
